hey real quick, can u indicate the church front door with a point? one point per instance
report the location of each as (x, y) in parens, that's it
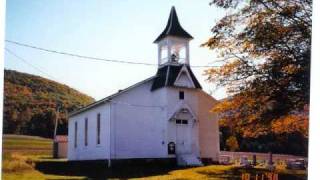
(183, 138)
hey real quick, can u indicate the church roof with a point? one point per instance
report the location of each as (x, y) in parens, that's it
(109, 98)
(173, 28)
(167, 75)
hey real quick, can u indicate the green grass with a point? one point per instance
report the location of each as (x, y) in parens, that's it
(20, 155)
(26, 145)
(26, 157)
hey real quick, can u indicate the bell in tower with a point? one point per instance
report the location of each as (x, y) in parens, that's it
(173, 43)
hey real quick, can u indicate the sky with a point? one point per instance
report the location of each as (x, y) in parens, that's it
(111, 29)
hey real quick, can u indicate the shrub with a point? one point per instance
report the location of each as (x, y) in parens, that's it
(16, 163)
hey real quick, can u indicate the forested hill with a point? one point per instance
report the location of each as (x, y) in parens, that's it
(30, 104)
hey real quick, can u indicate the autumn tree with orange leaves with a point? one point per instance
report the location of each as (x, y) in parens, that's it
(265, 49)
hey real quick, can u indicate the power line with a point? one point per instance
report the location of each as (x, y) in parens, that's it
(26, 62)
(35, 67)
(116, 102)
(88, 57)
(76, 55)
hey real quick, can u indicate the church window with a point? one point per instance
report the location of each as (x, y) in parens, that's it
(75, 134)
(86, 132)
(181, 95)
(164, 55)
(181, 121)
(98, 128)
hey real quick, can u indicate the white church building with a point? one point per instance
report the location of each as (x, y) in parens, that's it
(166, 116)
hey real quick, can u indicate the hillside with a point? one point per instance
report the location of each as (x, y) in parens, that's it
(30, 104)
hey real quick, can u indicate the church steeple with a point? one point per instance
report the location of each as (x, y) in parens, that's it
(173, 28)
(173, 57)
(173, 42)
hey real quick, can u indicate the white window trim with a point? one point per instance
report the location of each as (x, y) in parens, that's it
(98, 140)
(86, 132)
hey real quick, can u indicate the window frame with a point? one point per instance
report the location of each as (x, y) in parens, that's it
(181, 95)
(86, 132)
(75, 134)
(98, 128)
(181, 122)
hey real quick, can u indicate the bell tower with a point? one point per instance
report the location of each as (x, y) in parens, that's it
(173, 57)
(173, 43)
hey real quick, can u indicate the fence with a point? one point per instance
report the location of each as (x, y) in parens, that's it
(260, 156)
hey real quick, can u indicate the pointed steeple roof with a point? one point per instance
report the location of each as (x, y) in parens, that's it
(173, 28)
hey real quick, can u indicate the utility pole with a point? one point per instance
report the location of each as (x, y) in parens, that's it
(56, 122)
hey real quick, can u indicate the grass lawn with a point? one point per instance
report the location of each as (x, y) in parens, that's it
(26, 157)
(20, 155)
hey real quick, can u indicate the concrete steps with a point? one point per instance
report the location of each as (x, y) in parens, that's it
(188, 160)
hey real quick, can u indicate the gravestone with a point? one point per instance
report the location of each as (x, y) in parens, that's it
(244, 161)
(270, 163)
(254, 160)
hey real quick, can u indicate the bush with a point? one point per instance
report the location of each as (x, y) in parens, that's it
(16, 163)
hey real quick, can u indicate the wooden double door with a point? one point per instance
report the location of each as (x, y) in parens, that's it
(183, 136)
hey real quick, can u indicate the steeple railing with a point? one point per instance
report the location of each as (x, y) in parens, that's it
(176, 61)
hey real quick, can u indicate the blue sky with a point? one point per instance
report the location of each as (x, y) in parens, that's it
(112, 29)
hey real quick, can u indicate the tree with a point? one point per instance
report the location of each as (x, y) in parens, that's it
(232, 143)
(42, 124)
(265, 49)
(30, 104)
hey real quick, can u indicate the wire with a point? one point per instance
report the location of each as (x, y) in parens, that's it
(116, 102)
(26, 62)
(88, 57)
(77, 55)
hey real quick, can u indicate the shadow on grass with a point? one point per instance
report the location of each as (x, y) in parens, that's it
(99, 169)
